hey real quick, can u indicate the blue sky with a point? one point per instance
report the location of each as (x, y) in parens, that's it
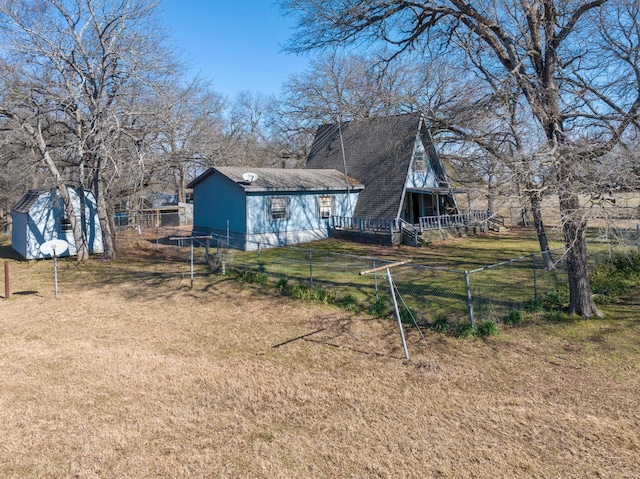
(235, 43)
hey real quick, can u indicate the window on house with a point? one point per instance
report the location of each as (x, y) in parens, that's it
(418, 161)
(325, 206)
(278, 208)
(419, 154)
(65, 224)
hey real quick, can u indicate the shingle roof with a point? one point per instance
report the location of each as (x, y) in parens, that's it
(284, 180)
(28, 199)
(378, 153)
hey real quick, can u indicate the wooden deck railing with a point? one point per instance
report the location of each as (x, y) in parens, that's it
(365, 225)
(391, 225)
(470, 218)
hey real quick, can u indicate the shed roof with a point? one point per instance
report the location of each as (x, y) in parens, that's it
(25, 203)
(378, 152)
(284, 180)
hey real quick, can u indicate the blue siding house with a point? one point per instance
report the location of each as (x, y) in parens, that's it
(262, 207)
(40, 216)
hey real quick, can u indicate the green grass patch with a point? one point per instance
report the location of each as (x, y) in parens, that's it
(441, 325)
(464, 331)
(379, 308)
(408, 316)
(487, 328)
(248, 276)
(534, 305)
(312, 293)
(348, 302)
(615, 277)
(514, 317)
(555, 316)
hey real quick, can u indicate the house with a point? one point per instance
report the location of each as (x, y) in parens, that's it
(153, 210)
(262, 207)
(40, 216)
(395, 159)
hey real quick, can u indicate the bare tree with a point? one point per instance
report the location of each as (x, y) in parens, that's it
(79, 68)
(188, 131)
(575, 63)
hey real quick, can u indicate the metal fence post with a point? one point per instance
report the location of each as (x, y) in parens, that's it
(535, 282)
(638, 235)
(375, 280)
(191, 270)
(310, 269)
(395, 307)
(469, 299)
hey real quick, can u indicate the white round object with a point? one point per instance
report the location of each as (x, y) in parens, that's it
(249, 177)
(54, 247)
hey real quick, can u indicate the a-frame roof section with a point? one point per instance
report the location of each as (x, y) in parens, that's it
(377, 151)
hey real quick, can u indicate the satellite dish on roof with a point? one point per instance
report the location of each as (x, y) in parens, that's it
(249, 177)
(54, 247)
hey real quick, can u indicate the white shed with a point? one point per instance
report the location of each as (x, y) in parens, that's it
(40, 216)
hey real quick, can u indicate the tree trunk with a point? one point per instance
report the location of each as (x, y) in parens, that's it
(79, 237)
(108, 244)
(180, 181)
(109, 252)
(534, 198)
(580, 297)
(490, 196)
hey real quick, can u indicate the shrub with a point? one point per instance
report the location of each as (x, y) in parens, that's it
(250, 277)
(628, 264)
(514, 317)
(261, 278)
(349, 302)
(534, 305)
(465, 331)
(314, 294)
(408, 316)
(607, 282)
(441, 324)
(556, 300)
(556, 316)
(487, 328)
(615, 277)
(379, 308)
(281, 285)
(301, 292)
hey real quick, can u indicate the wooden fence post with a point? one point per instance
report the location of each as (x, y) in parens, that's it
(7, 289)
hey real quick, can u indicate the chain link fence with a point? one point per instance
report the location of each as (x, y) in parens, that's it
(424, 294)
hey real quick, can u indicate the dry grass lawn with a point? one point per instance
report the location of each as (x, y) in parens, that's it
(130, 374)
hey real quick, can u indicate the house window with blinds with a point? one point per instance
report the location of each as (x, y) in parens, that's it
(278, 208)
(325, 206)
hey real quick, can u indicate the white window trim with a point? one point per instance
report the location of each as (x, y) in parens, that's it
(325, 211)
(285, 211)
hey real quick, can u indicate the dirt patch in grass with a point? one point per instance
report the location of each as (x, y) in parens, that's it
(132, 374)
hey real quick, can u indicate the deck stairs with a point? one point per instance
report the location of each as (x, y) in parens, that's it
(410, 234)
(496, 223)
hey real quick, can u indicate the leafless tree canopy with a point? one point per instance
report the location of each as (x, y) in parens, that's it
(574, 63)
(78, 74)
